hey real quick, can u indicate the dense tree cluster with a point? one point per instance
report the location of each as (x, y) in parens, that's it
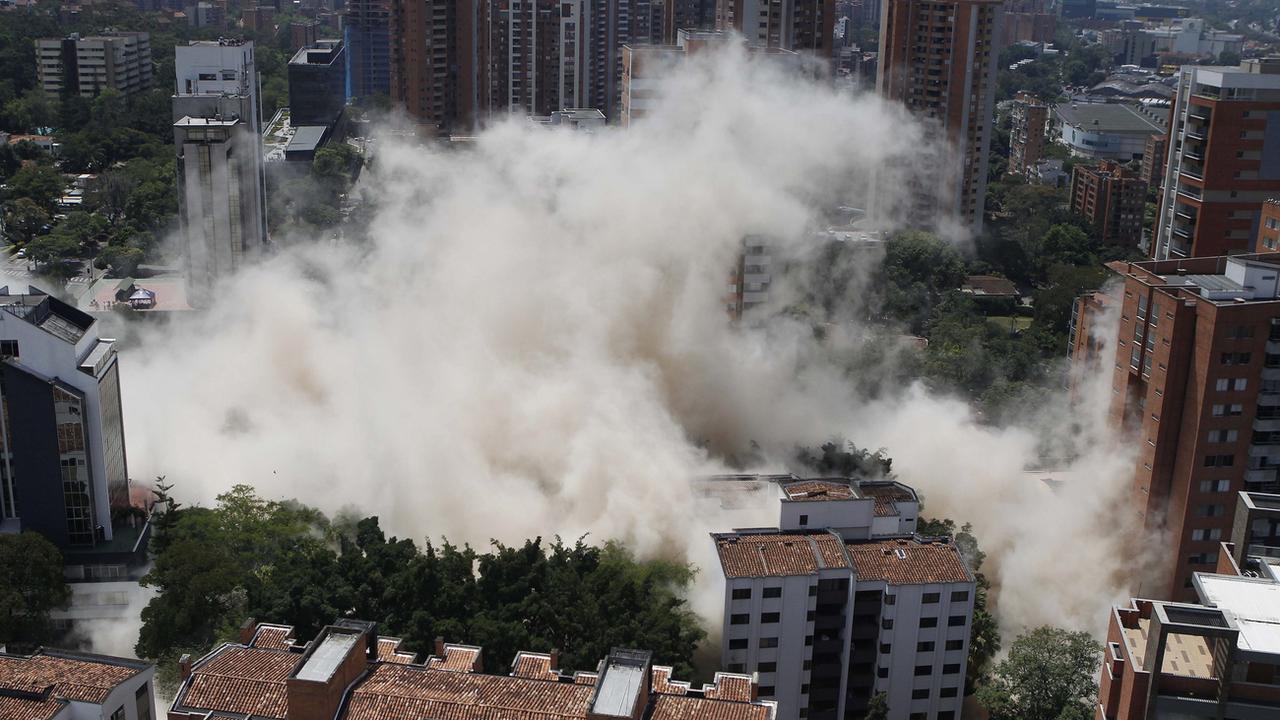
(1049, 673)
(33, 585)
(285, 562)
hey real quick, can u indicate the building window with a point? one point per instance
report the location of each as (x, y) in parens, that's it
(890, 599)
(948, 715)
(1240, 384)
(924, 646)
(955, 644)
(929, 622)
(118, 714)
(804, 520)
(1219, 410)
(887, 624)
(1222, 384)
(736, 667)
(742, 594)
(1218, 436)
(142, 698)
(810, 616)
(813, 590)
(885, 648)
(882, 672)
(773, 592)
(1212, 510)
(1210, 558)
(1215, 486)
(951, 669)
(9, 349)
(956, 621)
(769, 642)
(948, 692)
(924, 670)
(1223, 460)
(766, 691)
(930, 598)
(738, 644)
(739, 619)
(1202, 534)
(808, 641)
(960, 596)
(768, 667)
(768, 618)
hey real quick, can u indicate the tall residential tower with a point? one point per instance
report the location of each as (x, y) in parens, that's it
(938, 59)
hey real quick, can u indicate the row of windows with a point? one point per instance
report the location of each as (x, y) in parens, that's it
(744, 643)
(929, 622)
(745, 593)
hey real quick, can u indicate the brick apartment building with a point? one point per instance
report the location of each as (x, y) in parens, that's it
(939, 60)
(1197, 386)
(1219, 170)
(1268, 227)
(1153, 158)
(1112, 199)
(1214, 657)
(349, 672)
(799, 25)
(843, 601)
(1028, 119)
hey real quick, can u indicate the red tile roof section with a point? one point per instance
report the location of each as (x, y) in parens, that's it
(20, 708)
(240, 680)
(922, 564)
(778, 555)
(675, 707)
(272, 637)
(389, 651)
(457, 658)
(83, 680)
(730, 687)
(662, 682)
(885, 497)
(408, 692)
(536, 666)
(585, 678)
(818, 490)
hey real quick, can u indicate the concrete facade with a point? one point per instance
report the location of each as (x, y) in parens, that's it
(86, 66)
(842, 602)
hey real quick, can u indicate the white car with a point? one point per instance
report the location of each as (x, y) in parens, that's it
(22, 252)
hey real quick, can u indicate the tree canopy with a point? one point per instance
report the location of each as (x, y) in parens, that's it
(285, 562)
(1049, 674)
(33, 586)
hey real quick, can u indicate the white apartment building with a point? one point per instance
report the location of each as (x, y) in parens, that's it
(221, 177)
(842, 602)
(89, 65)
(63, 685)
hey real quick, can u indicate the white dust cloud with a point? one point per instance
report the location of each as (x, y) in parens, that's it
(534, 342)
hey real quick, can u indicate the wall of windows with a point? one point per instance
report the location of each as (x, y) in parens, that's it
(77, 486)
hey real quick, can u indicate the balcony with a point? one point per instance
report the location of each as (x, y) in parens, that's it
(1266, 424)
(1190, 191)
(1183, 231)
(1196, 133)
(1200, 112)
(1261, 475)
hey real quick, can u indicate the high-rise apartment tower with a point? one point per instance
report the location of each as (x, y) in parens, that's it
(938, 59)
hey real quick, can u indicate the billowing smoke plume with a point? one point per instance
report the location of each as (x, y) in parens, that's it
(534, 341)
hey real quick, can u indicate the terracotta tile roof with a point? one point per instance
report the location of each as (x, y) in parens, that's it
(585, 678)
(412, 692)
(885, 495)
(818, 490)
(21, 708)
(675, 707)
(662, 682)
(989, 285)
(457, 658)
(730, 687)
(536, 666)
(272, 637)
(240, 680)
(389, 651)
(83, 678)
(777, 554)
(920, 563)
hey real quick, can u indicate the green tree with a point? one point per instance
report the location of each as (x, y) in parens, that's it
(23, 219)
(877, 708)
(108, 195)
(1049, 673)
(39, 183)
(33, 585)
(53, 247)
(844, 459)
(31, 111)
(918, 268)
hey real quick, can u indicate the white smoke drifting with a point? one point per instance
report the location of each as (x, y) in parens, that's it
(535, 342)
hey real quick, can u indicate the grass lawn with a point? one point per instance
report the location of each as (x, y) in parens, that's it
(1010, 322)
